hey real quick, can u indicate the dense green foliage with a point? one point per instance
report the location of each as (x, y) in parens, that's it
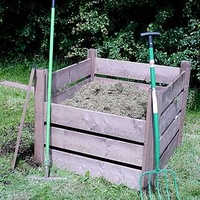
(111, 26)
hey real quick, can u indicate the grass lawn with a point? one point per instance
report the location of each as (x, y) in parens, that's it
(18, 184)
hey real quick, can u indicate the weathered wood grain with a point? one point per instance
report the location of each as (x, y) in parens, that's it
(133, 70)
(70, 74)
(168, 135)
(16, 85)
(186, 67)
(39, 115)
(170, 113)
(92, 53)
(114, 125)
(168, 152)
(172, 91)
(69, 92)
(114, 173)
(148, 155)
(97, 146)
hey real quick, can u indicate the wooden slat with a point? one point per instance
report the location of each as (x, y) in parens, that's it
(168, 135)
(124, 127)
(69, 92)
(170, 113)
(16, 85)
(171, 91)
(114, 173)
(97, 146)
(70, 74)
(39, 115)
(133, 70)
(168, 152)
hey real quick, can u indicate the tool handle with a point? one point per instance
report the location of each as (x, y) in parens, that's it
(150, 34)
(154, 99)
(150, 37)
(32, 76)
(53, 3)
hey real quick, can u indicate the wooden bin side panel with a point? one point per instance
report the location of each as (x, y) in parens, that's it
(170, 105)
(70, 74)
(172, 110)
(168, 151)
(114, 173)
(171, 113)
(170, 123)
(39, 95)
(104, 123)
(69, 92)
(133, 70)
(96, 145)
(186, 67)
(171, 92)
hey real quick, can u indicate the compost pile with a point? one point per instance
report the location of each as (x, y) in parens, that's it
(121, 99)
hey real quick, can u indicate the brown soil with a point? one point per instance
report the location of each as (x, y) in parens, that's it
(26, 151)
(121, 99)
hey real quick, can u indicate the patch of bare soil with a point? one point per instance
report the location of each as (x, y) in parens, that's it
(26, 151)
(121, 99)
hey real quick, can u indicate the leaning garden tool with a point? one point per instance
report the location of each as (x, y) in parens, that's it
(158, 176)
(23, 116)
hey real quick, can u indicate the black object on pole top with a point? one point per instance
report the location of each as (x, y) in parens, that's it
(150, 34)
(150, 37)
(53, 3)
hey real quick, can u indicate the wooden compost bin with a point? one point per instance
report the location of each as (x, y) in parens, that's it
(115, 147)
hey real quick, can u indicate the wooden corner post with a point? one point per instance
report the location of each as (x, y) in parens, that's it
(40, 95)
(148, 155)
(92, 53)
(185, 66)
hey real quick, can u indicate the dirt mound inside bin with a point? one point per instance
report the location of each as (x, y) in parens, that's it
(123, 99)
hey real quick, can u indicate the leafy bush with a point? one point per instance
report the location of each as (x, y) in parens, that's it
(193, 100)
(111, 26)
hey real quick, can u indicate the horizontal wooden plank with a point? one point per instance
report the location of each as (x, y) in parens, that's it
(171, 113)
(70, 74)
(142, 86)
(172, 91)
(114, 125)
(168, 135)
(114, 173)
(16, 85)
(69, 92)
(168, 152)
(97, 146)
(133, 70)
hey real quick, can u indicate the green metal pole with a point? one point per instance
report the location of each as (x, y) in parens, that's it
(48, 125)
(154, 99)
(157, 171)
(155, 109)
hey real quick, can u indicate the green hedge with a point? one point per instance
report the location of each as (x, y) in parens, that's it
(111, 26)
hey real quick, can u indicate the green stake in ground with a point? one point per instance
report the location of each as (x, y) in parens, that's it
(157, 178)
(48, 125)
